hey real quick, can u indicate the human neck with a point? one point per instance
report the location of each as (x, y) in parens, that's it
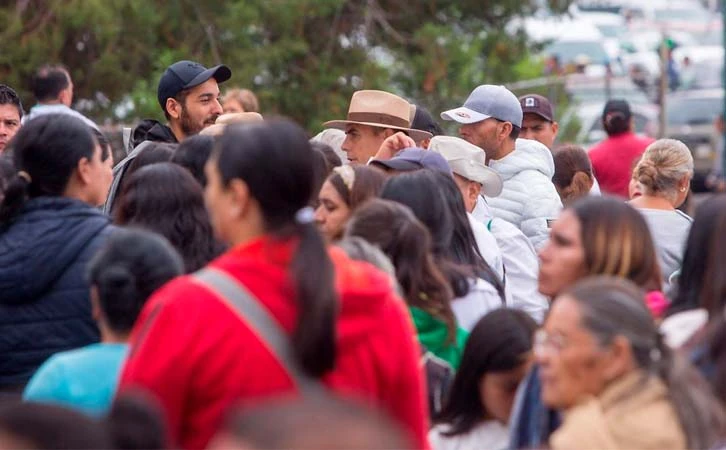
(75, 192)
(108, 336)
(652, 202)
(177, 130)
(505, 149)
(245, 233)
(52, 102)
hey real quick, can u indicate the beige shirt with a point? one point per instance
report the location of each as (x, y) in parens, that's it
(633, 413)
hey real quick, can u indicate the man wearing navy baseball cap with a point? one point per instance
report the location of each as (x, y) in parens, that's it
(491, 119)
(188, 93)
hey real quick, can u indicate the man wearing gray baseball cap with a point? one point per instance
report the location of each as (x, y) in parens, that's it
(491, 119)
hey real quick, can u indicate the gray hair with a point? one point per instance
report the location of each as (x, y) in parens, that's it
(612, 307)
(661, 168)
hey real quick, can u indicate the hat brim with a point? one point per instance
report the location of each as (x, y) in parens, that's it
(491, 181)
(220, 73)
(537, 113)
(416, 135)
(396, 164)
(463, 115)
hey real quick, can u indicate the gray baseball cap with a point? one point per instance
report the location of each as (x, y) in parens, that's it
(487, 101)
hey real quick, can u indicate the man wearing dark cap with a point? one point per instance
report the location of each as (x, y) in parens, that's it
(188, 93)
(538, 121)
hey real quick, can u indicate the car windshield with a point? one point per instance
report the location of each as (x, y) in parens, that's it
(611, 31)
(567, 51)
(693, 111)
(681, 14)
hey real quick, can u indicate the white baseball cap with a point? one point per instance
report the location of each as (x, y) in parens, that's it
(468, 161)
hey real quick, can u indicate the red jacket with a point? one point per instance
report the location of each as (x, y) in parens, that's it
(198, 358)
(613, 159)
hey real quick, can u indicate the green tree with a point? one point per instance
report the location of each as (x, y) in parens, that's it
(304, 58)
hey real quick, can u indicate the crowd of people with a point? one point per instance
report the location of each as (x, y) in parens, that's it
(225, 281)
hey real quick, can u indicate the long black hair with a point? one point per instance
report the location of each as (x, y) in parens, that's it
(702, 284)
(47, 149)
(193, 153)
(127, 270)
(464, 248)
(165, 198)
(499, 342)
(275, 161)
(420, 191)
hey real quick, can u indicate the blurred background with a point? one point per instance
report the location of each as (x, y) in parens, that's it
(304, 58)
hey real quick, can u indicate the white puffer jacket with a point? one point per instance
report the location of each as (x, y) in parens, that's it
(529, 199)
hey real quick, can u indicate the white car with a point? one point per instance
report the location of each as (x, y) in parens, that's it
(589, 116)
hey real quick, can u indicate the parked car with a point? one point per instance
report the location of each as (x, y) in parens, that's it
(690, 118)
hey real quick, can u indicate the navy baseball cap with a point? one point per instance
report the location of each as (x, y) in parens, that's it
(187, 74)
(410, 159)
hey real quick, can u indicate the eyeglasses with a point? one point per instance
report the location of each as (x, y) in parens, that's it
(545, 342)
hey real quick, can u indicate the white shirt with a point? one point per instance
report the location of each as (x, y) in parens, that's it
(480, 301)
(521, 264)
(489, 435)
(488, 246)
(41, 110)
(595, 189)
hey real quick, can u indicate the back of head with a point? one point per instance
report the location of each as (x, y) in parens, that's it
(616, 117)
(166, 199)
(192, 154)
(331, 158)
(501, 341)
(135, 422)
(7, 173)
(325, 423)
(702, 284)
(244, 97)
(154, 152)
(613, 307)
(274, 160)
(419, 191)
(424, 121)
(359, 249)
(43, 426)
(47, 149)
(617, 241)
(49, 81)
(573, 173)
(130, 266)
(662, 168)
(394, 229)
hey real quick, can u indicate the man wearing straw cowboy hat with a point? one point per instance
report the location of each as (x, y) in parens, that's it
(372, 117)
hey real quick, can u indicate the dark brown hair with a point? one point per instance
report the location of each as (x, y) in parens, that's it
(569, 160)
(407, 242)
(367, 183)
(617, 241)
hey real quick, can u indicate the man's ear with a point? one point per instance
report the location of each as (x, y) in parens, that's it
(506, 130)
(473, 191)
(555, 128)
(174, 108)
(388, 133)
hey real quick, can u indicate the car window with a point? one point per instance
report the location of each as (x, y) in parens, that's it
(693, 111)
(567, 51)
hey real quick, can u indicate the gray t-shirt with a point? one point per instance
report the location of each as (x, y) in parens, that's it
(670, 231)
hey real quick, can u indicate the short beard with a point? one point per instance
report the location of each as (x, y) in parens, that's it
(188, 127)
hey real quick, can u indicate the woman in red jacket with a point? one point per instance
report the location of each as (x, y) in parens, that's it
(344, 328)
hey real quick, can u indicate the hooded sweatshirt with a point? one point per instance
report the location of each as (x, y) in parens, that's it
(528, 200)
(198, 358)
(44, 295)
(146, 131)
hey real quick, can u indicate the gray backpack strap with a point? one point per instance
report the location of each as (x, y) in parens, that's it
(126, 134)
(256, 316)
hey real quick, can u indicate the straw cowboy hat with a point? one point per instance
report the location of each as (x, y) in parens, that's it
(381, 110)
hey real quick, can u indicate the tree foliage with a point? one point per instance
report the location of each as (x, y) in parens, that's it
(303, 58)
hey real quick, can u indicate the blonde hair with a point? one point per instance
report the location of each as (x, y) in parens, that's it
(245, 97)
(662, 167)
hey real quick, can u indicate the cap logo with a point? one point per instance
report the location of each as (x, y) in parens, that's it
(463, 114)
(529, 102)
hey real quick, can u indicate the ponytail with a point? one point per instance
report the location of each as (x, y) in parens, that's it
(16, 194)
(312, 271)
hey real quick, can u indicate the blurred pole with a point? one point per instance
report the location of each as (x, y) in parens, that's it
(663, 88)
(723, 85)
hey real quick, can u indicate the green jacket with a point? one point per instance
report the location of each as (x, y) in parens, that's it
(432, 334)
